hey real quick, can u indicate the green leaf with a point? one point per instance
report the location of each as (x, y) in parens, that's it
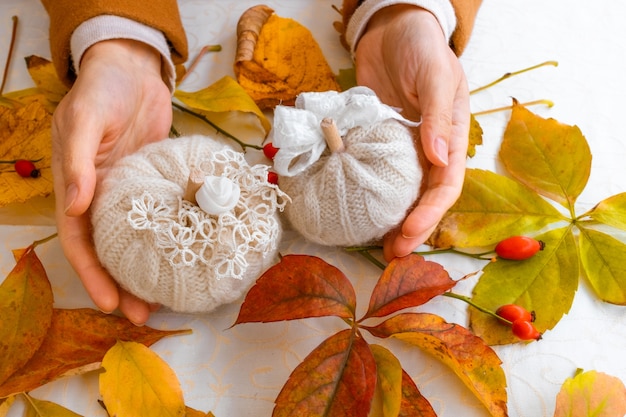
(611, 211)
(492, 207)
(549, 157)
(591, 393)
(545, 283)
(602, 257)
(388, 396)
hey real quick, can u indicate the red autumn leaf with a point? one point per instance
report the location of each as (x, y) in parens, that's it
(337, 379)
(413, 403)
(409, 281)
(25, 312)
(299, 286)
(474, 362)
(75, 339)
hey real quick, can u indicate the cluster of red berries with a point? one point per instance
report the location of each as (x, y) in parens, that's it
(24, 167)
(270, 151)
(521, 321)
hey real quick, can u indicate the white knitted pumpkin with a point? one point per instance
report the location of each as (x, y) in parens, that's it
(353, 195)
(167, 250)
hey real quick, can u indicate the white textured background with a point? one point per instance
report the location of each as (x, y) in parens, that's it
(239, 371)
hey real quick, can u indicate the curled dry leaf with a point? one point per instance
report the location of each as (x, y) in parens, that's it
(76, 342)
(25, 313)
(137, 382)
(475, 363)
(299, 286)
(337, 379)
(25, 133)
(277, 58)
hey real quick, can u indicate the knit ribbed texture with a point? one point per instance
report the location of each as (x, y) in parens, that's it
(166, 250)
(354, 197)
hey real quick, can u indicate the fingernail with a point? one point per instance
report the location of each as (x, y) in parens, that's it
(441, 149)
(70, 196)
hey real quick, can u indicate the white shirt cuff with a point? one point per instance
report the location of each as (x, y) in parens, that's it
(106, 27)
(441, 9)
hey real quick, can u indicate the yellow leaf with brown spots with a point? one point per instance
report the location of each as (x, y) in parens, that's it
(25, 133)
(45, 77)
(278, 58)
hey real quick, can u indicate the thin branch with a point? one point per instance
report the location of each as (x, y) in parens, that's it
(548, 103)
(243, 145)
(511, 74)
(10, 54)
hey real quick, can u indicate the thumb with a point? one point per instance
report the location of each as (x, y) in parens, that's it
(73, 165)
(436, 123)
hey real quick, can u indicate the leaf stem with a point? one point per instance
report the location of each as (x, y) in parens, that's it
(44, 240)
(365, 253)
(476, 306)
(480, 256)
(243, 145)
(9, 54)
(511, 74)
(548, 103)
(205, 49)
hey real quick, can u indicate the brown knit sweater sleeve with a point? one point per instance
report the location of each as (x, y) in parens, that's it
(465, 11)
(67, 15)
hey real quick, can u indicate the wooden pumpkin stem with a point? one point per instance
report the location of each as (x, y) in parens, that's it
(331, 134)
(195, 181)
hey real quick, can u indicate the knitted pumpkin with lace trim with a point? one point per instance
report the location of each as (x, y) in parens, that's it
(165, 249)
(349, 165)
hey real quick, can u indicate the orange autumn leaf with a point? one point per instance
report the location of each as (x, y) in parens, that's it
(190, 412)
(25, 134)
(25, 313)
(77, 339)
(473, 361)
(413, 403)
(337, 379)
(137, 382)
(277, 59)
(299, 286)
(409, 281)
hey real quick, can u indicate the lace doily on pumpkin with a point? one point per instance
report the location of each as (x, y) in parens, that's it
(186, 234)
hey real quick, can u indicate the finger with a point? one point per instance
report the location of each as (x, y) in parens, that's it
(74, 155)
(437, 99)
(135, 309)
(75, 238)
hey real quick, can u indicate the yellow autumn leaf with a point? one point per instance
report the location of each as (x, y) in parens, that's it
(25, 133)
(5, 405)
(137, 382)
(190, 412)
(225, 95)
(278, 58)
(591, 393)
(45, 77)
(388, 395)
(42, 408)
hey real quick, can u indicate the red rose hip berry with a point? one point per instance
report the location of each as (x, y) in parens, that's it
(272, 178)
(518, 248)
(525, 330)
(26, 169)
(269, 150)
(513, 312)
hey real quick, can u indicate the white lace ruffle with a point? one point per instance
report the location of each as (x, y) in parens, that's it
(187, 234)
